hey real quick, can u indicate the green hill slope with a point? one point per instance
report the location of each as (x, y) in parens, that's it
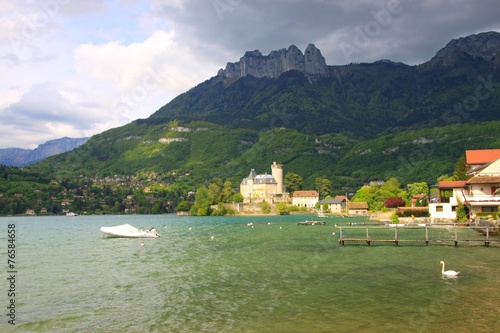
(360, 122)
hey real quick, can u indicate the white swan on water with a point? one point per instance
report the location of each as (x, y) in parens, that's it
(449, 273)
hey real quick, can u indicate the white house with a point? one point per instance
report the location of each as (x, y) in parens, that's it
(307, 199)
(451, 194)
(481, 193)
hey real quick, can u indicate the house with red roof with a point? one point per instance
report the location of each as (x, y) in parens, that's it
(477, 159)
(481, 193)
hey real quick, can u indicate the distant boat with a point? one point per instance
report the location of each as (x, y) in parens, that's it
(128, 231)
(321, 214)
(71, 214)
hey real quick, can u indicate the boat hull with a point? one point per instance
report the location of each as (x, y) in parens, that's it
(128, 231)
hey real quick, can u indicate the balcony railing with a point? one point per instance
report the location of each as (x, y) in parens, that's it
(482, 198)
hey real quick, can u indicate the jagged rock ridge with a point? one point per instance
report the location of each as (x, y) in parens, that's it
(311, 63)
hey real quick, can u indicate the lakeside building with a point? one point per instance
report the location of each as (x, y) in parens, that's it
(481, 193)
(257, 188)
(337, 205)
(308, 198)
(357, 208)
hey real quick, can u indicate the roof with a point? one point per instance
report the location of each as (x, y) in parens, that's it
(452, 184)
(264, 179)
(252, 174)
(357, 205)
(259, 179)
(309, 193)
(481, 156)
(484, 180)
(332, 201)
(342, 197)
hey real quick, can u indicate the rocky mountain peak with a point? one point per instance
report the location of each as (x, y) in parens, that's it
(485, 45)
(311, 63)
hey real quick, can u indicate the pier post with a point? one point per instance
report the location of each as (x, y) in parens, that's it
(426, 236)
(487, 240)
(368, 240)
(341, 239)
(396, 241)
(456, 237)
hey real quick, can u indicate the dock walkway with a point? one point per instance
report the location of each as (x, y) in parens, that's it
(312, 223)
(344, 237)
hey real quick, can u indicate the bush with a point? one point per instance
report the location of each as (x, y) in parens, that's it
(413, 212)
(266, 208)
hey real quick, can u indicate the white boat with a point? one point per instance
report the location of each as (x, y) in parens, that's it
(128, 231)
(71, 214)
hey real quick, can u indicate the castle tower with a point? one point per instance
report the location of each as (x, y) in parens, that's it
(277, 172)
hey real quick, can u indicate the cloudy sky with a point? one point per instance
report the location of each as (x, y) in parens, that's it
(76, 68)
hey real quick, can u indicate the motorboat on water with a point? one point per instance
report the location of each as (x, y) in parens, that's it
(128, 231)
(71, 214)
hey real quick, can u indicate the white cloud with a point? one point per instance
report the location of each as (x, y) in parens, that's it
(143, 76)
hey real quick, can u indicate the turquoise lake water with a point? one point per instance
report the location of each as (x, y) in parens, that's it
(274, 277)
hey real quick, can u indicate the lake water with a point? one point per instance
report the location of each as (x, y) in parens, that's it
(274, 277)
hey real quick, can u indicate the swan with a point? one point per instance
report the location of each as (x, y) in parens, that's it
(449, 273)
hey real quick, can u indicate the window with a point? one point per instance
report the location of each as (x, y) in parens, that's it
(439, 208)
(453, 208)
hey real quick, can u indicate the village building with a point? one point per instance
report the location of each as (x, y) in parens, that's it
(450, 194)
(357, 208)
(337, 205)
(481, 193)
(257, 188)
(307, 199)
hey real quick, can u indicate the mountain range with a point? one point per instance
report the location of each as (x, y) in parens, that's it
(349, 123)
(21, 157)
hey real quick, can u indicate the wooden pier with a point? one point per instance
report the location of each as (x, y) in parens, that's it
(343, 237)
(312, 223)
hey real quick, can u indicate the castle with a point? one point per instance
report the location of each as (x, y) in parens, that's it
(257, 188)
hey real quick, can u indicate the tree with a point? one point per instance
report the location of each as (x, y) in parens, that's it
(157, 209)
(370, 195)
(202, 203)
(184, 206)
(324, 187)
(417, 188)
(237, 197)
(394, 202)
(460, 172)
(293, 182)
(215, 193)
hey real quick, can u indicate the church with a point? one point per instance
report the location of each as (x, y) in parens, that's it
(257, 188)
